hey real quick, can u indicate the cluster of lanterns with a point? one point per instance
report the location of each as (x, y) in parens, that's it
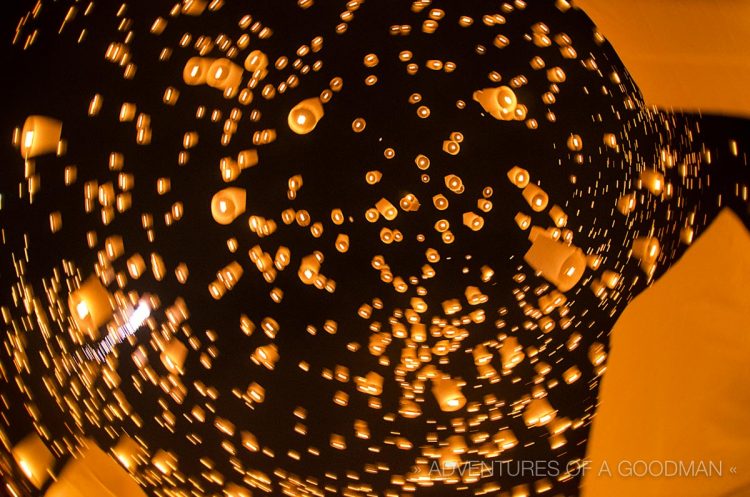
(476, 275)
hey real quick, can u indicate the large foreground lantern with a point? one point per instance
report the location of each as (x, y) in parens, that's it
(34, 459)
(94, 472)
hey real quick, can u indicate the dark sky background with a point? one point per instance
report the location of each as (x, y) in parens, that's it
(58, 77)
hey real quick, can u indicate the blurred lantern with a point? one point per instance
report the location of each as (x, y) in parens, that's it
(409, 409)
(482, 356)
(505, 439)
(646, 249)
(223, 74)
(370, 384)
(194, 7)
(40, 135)
(575, 143)
(266, 356)
(653, 181)
(127, 451)
(511, 353)
(538, 413)
(305, 115)
(34, 459)
(562, 265)
(196, 70)
(173, 356)
(448, 394)
(94, 472)
(247, 158)
(228, 204)
(90, 306)
(626, 204)
(234, 490)
(257, 62)
(165, 461)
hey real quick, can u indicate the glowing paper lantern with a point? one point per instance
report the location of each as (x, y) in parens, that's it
(90, 306)
(448, 394)
(499, 102)
(40, 135)
(228, 204)
(538, 412)
(34, 459)
(558, 216)
(173, 356)
(653, 181)
(473, 221)
(256, 62)
(386, 209)
(308, 269)
(647, 249)
(196, 71)
(94, 472)
(535, 197)
(482, 356)
(127, 451)
(194, 7)
(223, 74)
(562, 265)
(519, 176)
(305, 115)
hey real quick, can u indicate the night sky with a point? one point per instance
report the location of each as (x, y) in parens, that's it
(58, 77)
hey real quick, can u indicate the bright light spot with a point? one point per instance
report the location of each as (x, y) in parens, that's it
(301, 119)
(26, 468)
(82, 309)
(223, 206)
(28, 139)
(571, 271)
